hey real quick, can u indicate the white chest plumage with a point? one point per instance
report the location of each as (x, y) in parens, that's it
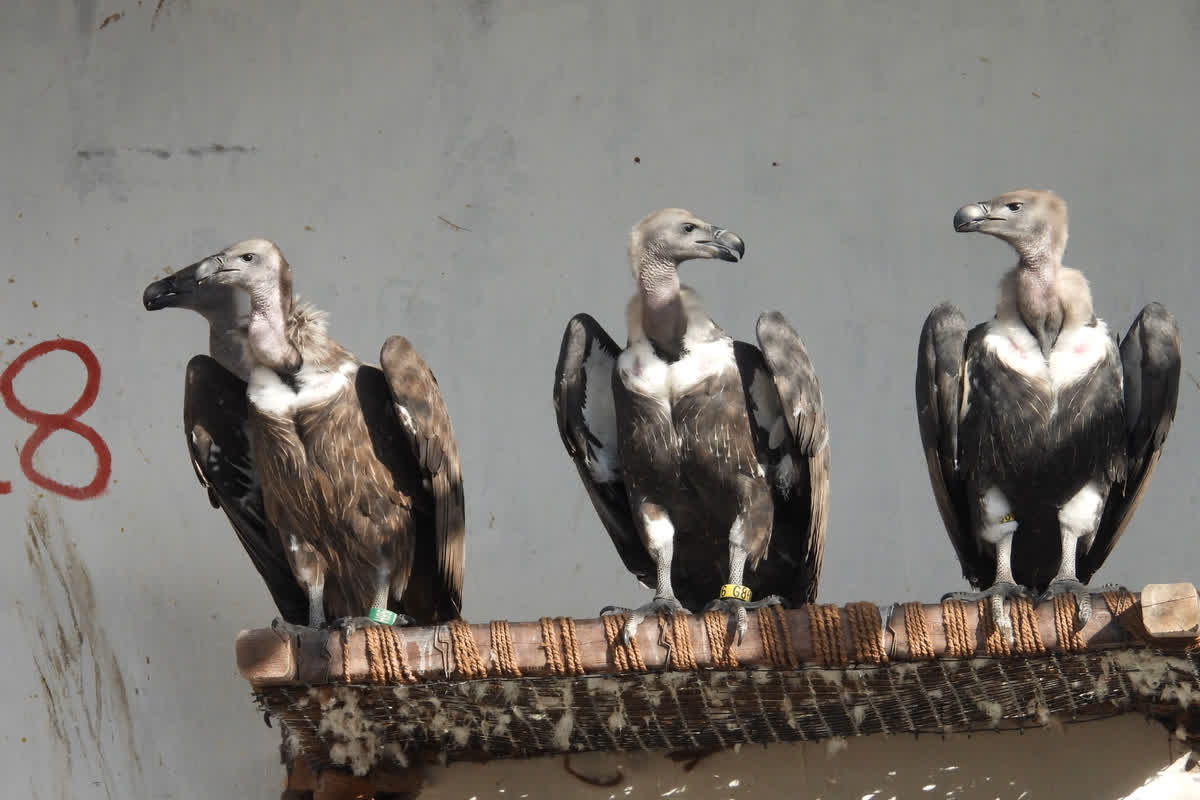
(1076, 352)
(643, 372)
(270, 395)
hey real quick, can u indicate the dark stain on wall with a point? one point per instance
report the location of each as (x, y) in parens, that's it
(83, 686)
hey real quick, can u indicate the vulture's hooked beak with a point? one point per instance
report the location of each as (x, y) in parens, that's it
(171, 290)
(968, 218)
(729, 245)
(213, 265)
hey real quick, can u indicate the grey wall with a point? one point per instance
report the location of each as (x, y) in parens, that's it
(837, 140)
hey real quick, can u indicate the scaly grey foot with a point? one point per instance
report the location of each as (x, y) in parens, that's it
(290, 628)
(737, 611)
(1083, 596)
(658, 606)
(348, 625)
(996, 593)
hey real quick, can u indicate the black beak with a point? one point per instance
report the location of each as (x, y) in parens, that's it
(730, 246)
(172, 290)
(967, 218)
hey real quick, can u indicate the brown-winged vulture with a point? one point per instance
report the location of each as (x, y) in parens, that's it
(358, 466)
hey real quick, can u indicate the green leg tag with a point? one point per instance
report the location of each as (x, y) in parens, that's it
(382, 616)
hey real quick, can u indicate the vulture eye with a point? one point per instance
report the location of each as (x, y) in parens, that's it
(1014, 206)
(247, 257)
(688, 227)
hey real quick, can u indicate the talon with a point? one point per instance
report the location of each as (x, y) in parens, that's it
(736, 609)
(1083, 597)
(348, 625)
(657, 606)
(289, 628)
(1001, 589)
(1002, 620)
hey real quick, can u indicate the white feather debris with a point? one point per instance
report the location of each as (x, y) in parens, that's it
(1149, 673)
(994, 710)
(356, 740)
(562, 730)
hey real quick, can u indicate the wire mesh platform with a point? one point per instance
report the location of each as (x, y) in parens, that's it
(389, 697)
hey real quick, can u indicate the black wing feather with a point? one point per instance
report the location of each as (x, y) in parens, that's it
(939, 388)
(585, 372)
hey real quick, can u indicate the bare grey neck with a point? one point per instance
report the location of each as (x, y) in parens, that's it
(663, 318)
(1037, 294)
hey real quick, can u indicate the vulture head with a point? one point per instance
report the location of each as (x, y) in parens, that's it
(1030, 220)
(255, 266)
(671, 236)
(258, 268)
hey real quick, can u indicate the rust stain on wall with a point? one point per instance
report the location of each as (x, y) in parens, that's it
(83, 687)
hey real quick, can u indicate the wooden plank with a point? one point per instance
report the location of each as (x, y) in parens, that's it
(266, 653)
(1171, 610)
(267, 658)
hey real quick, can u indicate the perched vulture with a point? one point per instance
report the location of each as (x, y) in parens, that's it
(1039, 432)
(707, 459)
(357, 465)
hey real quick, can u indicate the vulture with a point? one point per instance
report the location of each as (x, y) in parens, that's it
(707, 459)
(357, 465)
(1040, 432)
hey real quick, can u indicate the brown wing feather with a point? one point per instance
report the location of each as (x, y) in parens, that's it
(215, 412)
(426, 422)
(818, 481)
(804, 412)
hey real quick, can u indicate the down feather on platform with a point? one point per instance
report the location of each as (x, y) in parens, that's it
(706, 459)
(1039, 432)
(357, 465)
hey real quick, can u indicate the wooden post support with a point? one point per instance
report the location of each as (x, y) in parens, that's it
(1171, 610)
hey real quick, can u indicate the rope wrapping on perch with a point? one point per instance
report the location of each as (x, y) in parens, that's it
(559, 684)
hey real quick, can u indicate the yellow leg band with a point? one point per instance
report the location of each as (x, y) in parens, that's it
(735, 591)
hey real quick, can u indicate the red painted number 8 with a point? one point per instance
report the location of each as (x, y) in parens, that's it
(46, 424)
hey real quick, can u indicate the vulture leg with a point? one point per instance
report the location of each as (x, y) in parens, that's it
(659, 536)
(379, 607)
(757, 517)
(1078, 518)
(316, 610)
(999, 525)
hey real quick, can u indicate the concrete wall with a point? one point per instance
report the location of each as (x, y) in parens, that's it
(838, 140)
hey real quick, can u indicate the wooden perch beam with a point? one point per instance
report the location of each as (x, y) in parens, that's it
(268, 658)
